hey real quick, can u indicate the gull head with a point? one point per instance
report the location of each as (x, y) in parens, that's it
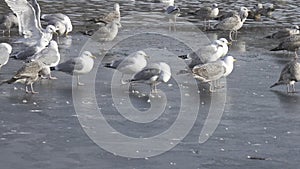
(88, 54)
(117, 7)
(7, 46)
(230, 59)
(224, 41)
(244, 9)
(51, 29)
(214, 5)
(141, 54)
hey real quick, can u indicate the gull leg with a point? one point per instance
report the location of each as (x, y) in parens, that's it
(288, 88)
(78, 82)
(26, 89)
(8, 32)
(51, 77)
(230, 35)
(296, 55)
(32, 91)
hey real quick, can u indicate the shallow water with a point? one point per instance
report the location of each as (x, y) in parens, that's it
(45, 131)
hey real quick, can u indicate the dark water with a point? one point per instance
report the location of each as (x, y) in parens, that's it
(43, 131)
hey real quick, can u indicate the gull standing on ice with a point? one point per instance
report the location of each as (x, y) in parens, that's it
(289, 75)
(50, 56)
(207, 13)
(233, 23)
(77, 66)
(209, 53)
(153, 75)
(129, 65)
(284, 33)
(213, 71)
(27, 75)
(291, 43)
(114, 16)
(105, 33)
(172, 12)
(5, 51)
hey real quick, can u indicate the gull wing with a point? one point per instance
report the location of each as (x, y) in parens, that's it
(28, 24)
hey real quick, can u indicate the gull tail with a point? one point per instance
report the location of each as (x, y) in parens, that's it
(53, 68)
(87, 32)
(109, 65)
(10, 81)
(183, 57)
(276, 84)
(276, 49)
(269, 37)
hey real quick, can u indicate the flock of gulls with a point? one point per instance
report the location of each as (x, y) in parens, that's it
(208, 64)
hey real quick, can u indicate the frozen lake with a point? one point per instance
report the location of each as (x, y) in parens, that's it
(60, 127)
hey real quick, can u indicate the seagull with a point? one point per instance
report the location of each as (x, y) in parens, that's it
(213, 71)
(29, 21)
(289, 75)
(27, 75)
(286, 32)
(208, 53)
(50, 56)
(7, 22)
(268, 10)
(171, 11)
(153, 75)
(61, 21)
(114, 16)
(255, 12)
(5, 51)
(31, 50)
(130, 65)
(233, 23)
(291, 43)
(207, 13)
(77, 66)
(105, 33)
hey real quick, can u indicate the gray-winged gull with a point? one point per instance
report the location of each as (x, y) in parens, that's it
(289, 75)
(7, 22)
(284, 33)
(291, 43)
(27, 75)
(5, 51)
(31, 50)
(61, 21)
(114, 16)
(105, 33)
(50, 56)
(153, 75)
(233, 23)
(172, 12)
(132, 64)
(213, 71)
(208, 53)
(77, 66)
(207, 13)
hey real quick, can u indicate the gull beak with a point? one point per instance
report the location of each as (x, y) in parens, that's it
(94, 57)
(147, 57)
(234, 60)
(229, 43)
(55, 33)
